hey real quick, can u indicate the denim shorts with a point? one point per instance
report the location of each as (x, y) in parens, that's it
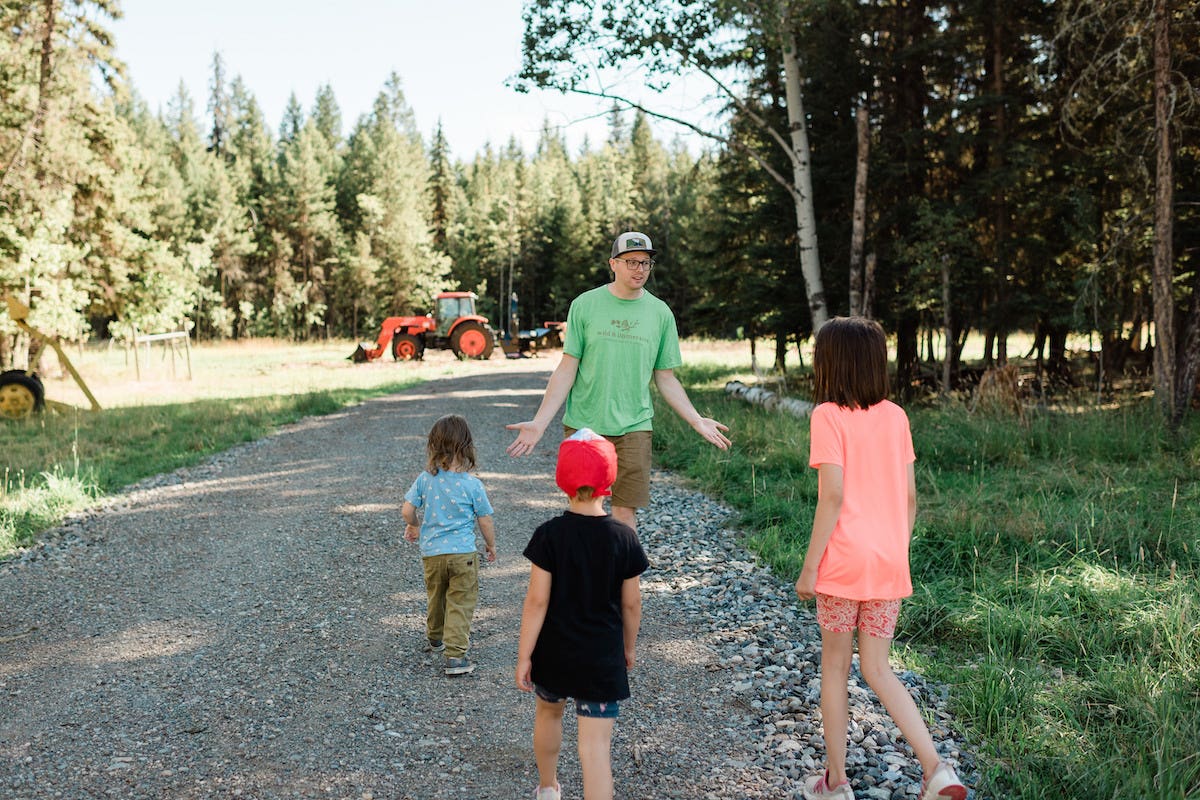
(583, 708)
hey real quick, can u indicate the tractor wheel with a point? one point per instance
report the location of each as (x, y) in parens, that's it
(20, 394)
(406, 347)
(472, 340)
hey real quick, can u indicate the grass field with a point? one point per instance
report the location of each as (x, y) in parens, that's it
(157, 418)
(1056, 561)
(1056, 567)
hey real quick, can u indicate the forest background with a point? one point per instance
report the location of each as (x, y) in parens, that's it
(977, 167)
(985, 166)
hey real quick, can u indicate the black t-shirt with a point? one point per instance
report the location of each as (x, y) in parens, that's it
(580, 651)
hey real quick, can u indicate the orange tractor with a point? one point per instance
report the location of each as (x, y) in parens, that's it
(456, 326)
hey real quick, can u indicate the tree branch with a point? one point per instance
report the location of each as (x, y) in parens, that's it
(731, 141)
(745, 108)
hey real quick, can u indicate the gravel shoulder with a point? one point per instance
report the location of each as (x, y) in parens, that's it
(251, 628)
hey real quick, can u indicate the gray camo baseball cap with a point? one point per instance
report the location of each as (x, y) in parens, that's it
(630, 241)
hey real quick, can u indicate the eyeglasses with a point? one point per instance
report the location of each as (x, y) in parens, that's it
(638, 266)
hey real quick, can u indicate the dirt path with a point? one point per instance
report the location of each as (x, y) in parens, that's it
(252, 630)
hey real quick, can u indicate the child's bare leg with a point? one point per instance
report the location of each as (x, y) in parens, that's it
(547, 740)
(837, 650)
(595, 757)
(873, 661)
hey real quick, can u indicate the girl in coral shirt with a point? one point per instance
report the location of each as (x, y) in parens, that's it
(857, 560)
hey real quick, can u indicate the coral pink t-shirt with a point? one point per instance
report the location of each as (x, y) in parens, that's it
(867, 556)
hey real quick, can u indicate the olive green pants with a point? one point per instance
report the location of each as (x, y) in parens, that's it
(452, 585)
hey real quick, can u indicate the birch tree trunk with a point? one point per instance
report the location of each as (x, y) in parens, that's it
(806, 218)
(859, 222)
(1164, 195)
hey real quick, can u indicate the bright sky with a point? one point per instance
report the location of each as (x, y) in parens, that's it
(453, 58)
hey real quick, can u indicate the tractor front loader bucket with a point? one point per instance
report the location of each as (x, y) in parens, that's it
(359, 356)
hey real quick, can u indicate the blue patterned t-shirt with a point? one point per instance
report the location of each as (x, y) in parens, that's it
(453, 501)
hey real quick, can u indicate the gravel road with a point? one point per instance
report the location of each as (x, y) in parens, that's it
(251, 628)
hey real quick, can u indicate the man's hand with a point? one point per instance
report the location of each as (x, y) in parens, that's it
(528, 435)
(411, 533)
(713, 432)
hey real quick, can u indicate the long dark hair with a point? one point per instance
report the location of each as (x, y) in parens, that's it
(450, 442)
(850, 363)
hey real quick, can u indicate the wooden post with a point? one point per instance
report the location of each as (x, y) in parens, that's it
(137, 364)
(74, 374)
(187, 348)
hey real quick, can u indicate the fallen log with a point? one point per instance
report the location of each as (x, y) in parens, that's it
(769, 400)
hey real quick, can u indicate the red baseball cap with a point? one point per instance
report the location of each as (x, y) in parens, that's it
(586, 459)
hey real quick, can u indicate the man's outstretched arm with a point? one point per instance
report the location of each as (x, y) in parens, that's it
(557, 389)
(676, 397)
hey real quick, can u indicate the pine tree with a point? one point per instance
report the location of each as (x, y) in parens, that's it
(556, 255)
(219, 108)
(442, 188)
(306, 238)
(253, 172)
(60, 152)
(382, 193)
(293, 120)
(327, 116)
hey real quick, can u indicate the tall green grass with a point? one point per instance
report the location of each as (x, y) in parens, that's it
(55, 464)
(1055, 562)
(1056, 567)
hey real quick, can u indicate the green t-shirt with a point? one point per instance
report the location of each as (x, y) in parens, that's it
(619, 344)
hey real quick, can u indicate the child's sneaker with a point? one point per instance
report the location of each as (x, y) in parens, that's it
(547, 793)
(433, 646)
(817, 788)
(944, 784)
(458, 666)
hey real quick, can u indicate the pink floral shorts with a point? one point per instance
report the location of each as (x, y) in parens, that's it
(873, 617)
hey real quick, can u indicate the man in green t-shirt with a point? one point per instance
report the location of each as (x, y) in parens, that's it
(619, 338)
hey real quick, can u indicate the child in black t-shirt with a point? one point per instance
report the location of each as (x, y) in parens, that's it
(581, 617)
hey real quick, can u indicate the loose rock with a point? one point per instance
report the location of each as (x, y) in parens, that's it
(252, 627)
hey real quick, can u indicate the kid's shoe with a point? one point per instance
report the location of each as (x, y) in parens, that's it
(818, 788)
(944, 784)
(458, 666)
(547, 793)
(433, 646)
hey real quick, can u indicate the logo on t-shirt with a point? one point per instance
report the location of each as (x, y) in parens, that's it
(624, 325)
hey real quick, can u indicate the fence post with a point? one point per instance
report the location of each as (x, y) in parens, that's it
(187, 347)
(137, 362)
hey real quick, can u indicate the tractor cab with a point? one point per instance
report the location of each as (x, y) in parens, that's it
(452, 306)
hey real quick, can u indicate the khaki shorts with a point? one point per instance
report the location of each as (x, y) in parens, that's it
(632, 487)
